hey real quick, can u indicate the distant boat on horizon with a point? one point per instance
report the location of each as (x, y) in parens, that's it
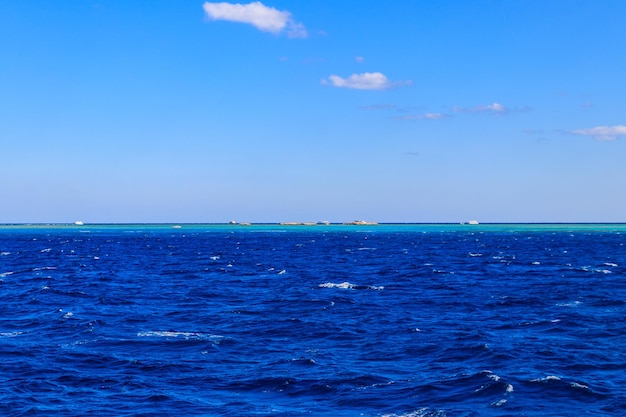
(78, 223)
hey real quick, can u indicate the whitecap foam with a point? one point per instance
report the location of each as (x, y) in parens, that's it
(349, 286)
(67, 315)
(570, 304)
(610, 264)
(6, 274)
(5, 253)
(422, 412)
(344, 285)
(186, 335)
(499, 403)
(546, 379)
(10, 334)
(492, 376)
(442, 272)
(578, 386)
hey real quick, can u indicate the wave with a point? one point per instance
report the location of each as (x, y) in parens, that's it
(422, 412)
(10, 334)
(349, 286)
(564, 387)
(184, 335)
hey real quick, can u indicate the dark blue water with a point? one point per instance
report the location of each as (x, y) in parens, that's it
(313, 321)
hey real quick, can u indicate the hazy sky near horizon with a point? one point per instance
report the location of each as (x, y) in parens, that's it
(284, 110)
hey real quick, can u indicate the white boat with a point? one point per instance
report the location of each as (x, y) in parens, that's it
(79, 223)
(473, 222)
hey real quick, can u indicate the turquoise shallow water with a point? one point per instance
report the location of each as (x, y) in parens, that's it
(338, 320)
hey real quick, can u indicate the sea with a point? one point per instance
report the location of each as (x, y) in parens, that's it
(389, 320)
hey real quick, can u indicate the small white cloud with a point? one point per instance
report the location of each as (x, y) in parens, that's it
(359, 59)
(493, 108)
(364, 81)
(496, 108)
(264, 18)
(605, 133)
(425, 116)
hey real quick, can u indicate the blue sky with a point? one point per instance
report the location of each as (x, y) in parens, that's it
(401, 111)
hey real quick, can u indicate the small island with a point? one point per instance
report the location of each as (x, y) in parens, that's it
(361, 223)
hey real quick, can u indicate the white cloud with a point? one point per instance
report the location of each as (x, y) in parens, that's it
(264, 18)
(495, 108)
(364, 81)
(603, 132)
(425, 116)
(359, 59)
